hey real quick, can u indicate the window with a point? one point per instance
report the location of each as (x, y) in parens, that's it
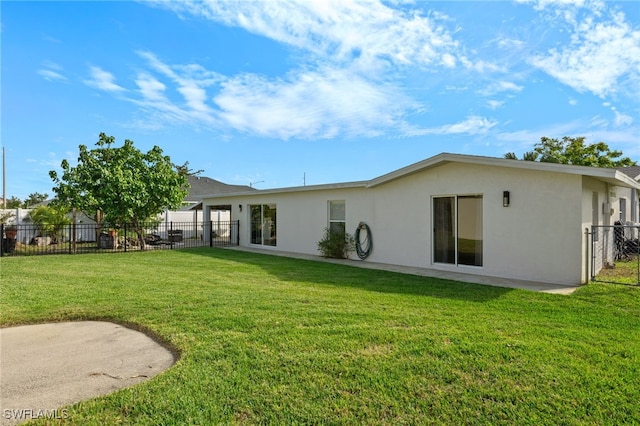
(457, 230)
(263, 224)
(623, 210)
(337, 216)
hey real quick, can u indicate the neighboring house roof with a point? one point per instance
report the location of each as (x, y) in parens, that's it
(41, 203)
(612, 176)
(632, 171)
(201, 185)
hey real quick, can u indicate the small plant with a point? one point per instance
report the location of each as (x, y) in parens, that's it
(336, 244)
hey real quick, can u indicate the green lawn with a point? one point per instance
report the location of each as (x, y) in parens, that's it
(265, 339)
(626, 271)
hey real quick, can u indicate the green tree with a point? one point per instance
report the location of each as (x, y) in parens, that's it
(14, 203)
(527, 156)
(121, 185)
(50, 221)
(575, 151)
(34, 198)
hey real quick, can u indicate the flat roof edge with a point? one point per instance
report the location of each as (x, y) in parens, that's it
(609, 175)
(321, 187)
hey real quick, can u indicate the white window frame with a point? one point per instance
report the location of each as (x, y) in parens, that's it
(332, 221)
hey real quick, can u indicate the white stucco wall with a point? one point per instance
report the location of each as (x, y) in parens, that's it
(538, 237)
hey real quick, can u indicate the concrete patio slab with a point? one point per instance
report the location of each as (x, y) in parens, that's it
(47, 366)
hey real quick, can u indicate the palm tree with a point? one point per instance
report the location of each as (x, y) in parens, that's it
(527, 156)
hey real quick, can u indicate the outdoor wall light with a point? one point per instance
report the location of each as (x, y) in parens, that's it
(240, 207)
(506, 199)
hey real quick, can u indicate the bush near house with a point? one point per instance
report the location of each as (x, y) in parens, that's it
(336, 244)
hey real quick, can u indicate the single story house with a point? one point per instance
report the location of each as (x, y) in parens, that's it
(478, 215)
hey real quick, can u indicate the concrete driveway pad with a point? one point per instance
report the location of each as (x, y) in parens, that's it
(47, 366)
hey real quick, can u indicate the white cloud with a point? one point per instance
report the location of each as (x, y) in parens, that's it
(602, 54)
(448, 60)
(319, 104)
(619, 120)
(510, 43)
(50, 75)
(52, 160)
(541, 4)
(103, 80)
(499, 87)
(472, 125)
(481, 66)
(346, 84)
(337, 30)
(150, 88)
(190, 81)
(51, 71)
(509, 86)
(154, 99)
(622, 120)
(195, 97)
(493, 104)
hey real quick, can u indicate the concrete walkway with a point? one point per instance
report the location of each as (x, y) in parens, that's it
(455, 276)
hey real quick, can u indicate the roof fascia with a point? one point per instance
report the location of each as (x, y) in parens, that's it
(612, 176)
(292, 189)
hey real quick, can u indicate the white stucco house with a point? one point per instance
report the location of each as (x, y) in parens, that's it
(478, 215)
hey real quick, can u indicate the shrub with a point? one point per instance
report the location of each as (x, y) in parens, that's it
(50, 221)
(336, 244)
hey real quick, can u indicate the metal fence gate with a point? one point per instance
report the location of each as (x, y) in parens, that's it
(615, 254)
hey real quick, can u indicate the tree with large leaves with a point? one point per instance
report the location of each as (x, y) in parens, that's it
(574, 150)
(121, 185)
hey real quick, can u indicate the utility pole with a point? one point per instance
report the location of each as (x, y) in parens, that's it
(4, 181)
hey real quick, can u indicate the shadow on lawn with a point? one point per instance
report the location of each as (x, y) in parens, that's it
(345, 275)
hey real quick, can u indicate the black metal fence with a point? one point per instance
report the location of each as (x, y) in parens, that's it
(615, 254)
(32, 239)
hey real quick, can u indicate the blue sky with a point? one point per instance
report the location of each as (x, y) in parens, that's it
(281, 93)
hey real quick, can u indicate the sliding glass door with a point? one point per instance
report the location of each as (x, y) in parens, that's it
(263, 224)
(457, 230)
